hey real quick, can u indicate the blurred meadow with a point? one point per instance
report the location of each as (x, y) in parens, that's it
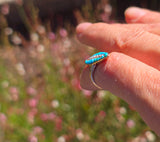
(40, 65)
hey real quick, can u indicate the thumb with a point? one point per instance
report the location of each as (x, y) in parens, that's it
(133, 81)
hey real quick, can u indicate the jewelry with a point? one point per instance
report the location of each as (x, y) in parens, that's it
(92, 62)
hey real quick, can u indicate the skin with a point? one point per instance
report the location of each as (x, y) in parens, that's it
(132, 70)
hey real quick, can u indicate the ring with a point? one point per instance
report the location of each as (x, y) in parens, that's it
(92, 62)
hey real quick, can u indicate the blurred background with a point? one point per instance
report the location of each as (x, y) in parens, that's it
(40, 64)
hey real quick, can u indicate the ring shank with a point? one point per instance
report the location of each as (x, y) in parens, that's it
(92, 70)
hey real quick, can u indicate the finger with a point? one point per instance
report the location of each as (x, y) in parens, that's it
(131, 80)
(152, 28)
(136, 43)
(140, 15)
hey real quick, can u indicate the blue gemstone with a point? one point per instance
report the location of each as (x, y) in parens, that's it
(96, 58)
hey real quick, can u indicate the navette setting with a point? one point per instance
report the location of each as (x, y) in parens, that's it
(96, 58)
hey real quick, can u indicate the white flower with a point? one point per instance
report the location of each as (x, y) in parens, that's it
(80, 135)
(61, 139)
(67, 43)
(20, 69)
(150, 136)
(55, 103)
(8, 31)
(123, 110)
(16, 40)
(40, 48)
(108, 8)
(139, 139)
(66, 62)
(34, 37)
(41, 29)
(101, 94)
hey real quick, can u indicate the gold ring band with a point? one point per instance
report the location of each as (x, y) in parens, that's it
(92, 70)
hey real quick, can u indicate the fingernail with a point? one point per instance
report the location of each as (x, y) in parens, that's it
(82, 27)
(135, 13)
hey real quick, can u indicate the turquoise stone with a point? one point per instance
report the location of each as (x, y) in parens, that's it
(96, 58)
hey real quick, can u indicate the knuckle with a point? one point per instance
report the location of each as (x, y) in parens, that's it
(126, 37)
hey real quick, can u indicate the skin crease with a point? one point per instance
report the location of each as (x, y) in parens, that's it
(132, 70)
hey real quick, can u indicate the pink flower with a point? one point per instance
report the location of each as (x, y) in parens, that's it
(37, 130)
(58, 123)
(87, 93)
(33, 139)
(55, 46)
(14, 93)
(15, 97)
(33, 102)
(76, 83)
(101, 115)
(5, 9)
(31, 91)
(52, 36)
(51, 116)
(44, 117)
(14, 90)
(130, 123)
(63, 33)
(32, 114)
(3, 119)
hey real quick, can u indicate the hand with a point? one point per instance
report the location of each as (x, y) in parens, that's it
(132, 71)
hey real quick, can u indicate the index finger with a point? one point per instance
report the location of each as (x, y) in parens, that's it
(136, 43)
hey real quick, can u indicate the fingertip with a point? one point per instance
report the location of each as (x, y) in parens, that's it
(133, 14)
(82, 27)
